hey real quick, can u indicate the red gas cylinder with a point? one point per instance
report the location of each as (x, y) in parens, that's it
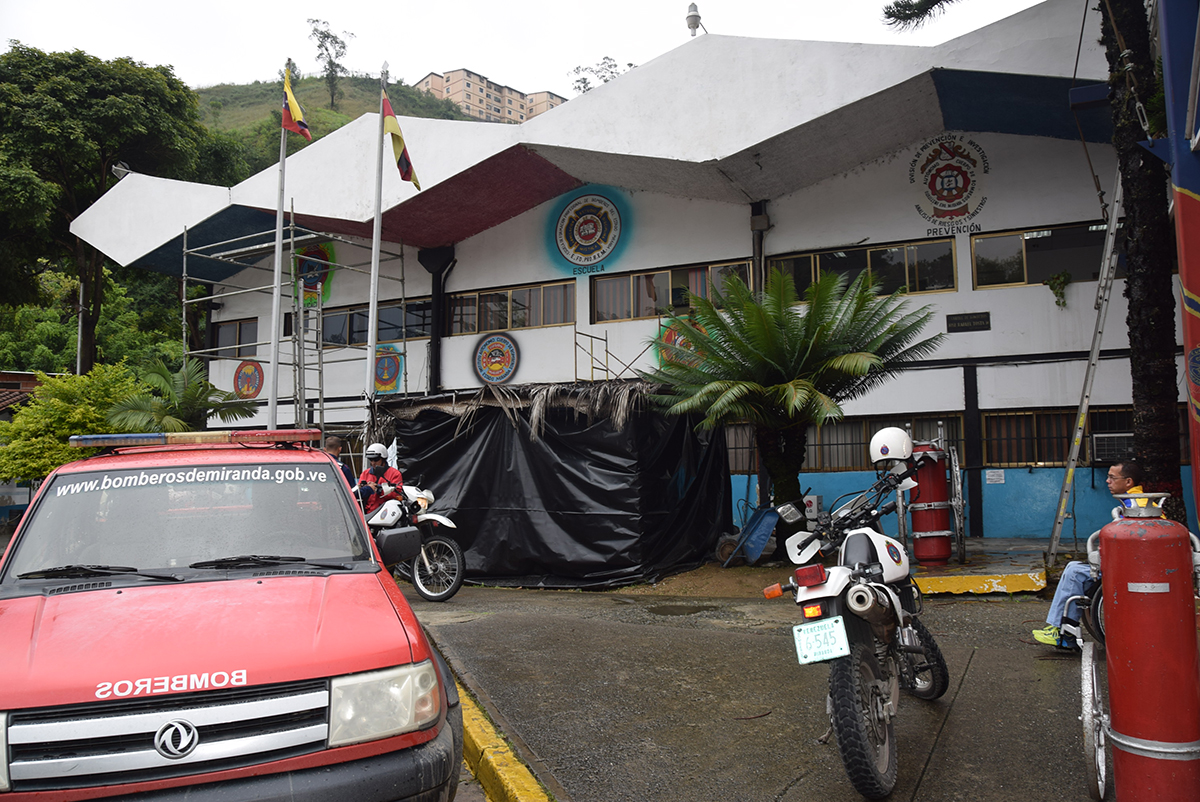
(931, 507)
(1153, 661)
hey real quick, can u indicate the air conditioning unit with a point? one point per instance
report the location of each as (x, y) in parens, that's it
(1111, 446)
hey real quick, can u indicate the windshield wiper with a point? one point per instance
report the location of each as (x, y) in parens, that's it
(63, 571)
(258, 560)
(247, 561)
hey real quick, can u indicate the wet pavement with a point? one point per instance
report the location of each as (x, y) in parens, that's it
(619, 697)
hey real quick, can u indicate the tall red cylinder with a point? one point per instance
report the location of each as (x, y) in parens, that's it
(1153, 660)
(931, 508)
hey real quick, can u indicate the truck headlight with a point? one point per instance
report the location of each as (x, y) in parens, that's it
(380, 704)
(4, 786)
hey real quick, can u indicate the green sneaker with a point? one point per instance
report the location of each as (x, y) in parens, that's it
(1051, 636)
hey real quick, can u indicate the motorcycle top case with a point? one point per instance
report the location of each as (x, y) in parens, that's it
(868, 546)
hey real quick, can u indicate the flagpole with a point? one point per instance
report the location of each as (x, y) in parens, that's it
(273, 380)
(376, 239)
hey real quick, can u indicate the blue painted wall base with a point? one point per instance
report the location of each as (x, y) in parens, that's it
(1017, 502)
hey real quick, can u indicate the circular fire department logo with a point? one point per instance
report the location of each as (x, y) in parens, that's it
(894, 553)
(947, 169)
(248, 380)
(588, 229)
(496, 359)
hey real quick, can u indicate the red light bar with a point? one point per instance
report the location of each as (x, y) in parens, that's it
(262, 436)
(810, 575)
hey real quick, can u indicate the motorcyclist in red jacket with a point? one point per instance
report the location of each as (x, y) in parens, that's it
(374, 476)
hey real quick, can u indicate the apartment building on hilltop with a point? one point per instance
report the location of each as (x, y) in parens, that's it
(487, 100)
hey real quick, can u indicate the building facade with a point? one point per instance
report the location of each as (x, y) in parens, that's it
(487, 100)
(551, 254)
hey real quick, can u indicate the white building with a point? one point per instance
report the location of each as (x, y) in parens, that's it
(957, 170)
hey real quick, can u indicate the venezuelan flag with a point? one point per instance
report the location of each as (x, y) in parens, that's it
(392, 126)
(293, 112)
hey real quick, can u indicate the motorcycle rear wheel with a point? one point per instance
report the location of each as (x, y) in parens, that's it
(865, 732)
(438, 571)
(930, 676)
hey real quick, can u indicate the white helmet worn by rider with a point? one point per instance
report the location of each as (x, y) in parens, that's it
(377, 451)
(889, 446)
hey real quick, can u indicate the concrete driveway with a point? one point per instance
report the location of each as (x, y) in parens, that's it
(612, 697)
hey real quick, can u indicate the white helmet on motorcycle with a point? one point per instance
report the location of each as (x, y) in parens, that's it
(889, 446)
(377, 451)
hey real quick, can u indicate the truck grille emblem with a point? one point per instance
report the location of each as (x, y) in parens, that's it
(176, 739)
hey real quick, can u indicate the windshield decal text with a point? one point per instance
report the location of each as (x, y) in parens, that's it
(193, 476)
(180, 682)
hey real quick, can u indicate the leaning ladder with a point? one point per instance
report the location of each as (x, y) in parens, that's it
(1108, 269)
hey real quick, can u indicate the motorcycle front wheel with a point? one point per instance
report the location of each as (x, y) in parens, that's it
(930, 676)
(438, 571)
(866, 737)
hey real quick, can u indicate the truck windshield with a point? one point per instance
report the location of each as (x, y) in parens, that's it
(173, 517)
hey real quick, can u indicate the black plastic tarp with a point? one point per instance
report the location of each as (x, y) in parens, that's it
(583, 505)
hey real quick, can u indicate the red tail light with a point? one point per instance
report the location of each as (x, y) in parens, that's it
(810, 575)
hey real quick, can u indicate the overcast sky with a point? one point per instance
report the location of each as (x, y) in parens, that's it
(530, 45)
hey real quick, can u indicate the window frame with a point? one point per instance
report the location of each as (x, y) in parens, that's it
(363, 311)
(908, 247)
(567, 305)
(241, 347)
(634, 278)
(1097, 226)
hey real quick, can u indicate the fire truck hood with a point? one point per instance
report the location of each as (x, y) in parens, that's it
(144, 640)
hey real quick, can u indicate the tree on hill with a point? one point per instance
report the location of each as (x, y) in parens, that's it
(1149, 244)
(604, 71)
(330, 48)
(65, 120)
(781, 365)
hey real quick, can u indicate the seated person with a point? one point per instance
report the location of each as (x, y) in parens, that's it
(377, 473)
(1123, 477)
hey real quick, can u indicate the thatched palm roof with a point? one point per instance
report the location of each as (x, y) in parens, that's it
(615, 400)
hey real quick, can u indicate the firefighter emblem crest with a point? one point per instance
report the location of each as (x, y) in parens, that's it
(947, 169)
(588, 229)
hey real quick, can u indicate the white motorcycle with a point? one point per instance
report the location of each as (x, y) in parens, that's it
(436, 572)
(860, 615)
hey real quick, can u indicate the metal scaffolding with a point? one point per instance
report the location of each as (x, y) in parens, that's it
(302, 328)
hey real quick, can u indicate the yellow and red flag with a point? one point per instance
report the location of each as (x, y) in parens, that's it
(392, 126)
(293, 112)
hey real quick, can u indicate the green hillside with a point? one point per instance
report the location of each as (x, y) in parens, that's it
(250, 113)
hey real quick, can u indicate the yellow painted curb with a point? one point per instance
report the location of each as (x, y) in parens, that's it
(983, 583)
(501, 773)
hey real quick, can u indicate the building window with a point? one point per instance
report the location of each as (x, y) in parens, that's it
(741, 448)
(1025, 438)
(517, 308)
(843, 446)
(918, 266)
(243, 333)
(1031, 257)
(397, 321)
(658, 292)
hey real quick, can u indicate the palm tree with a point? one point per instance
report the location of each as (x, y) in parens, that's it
(182, 401)
(782, 366)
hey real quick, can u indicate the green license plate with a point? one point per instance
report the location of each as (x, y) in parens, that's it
(821, 640)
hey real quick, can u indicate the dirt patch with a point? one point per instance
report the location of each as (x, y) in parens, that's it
(713, 581)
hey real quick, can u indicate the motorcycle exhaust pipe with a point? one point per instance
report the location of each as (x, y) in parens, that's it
(869, 604)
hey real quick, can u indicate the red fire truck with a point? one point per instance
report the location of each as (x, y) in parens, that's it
(207, 615)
